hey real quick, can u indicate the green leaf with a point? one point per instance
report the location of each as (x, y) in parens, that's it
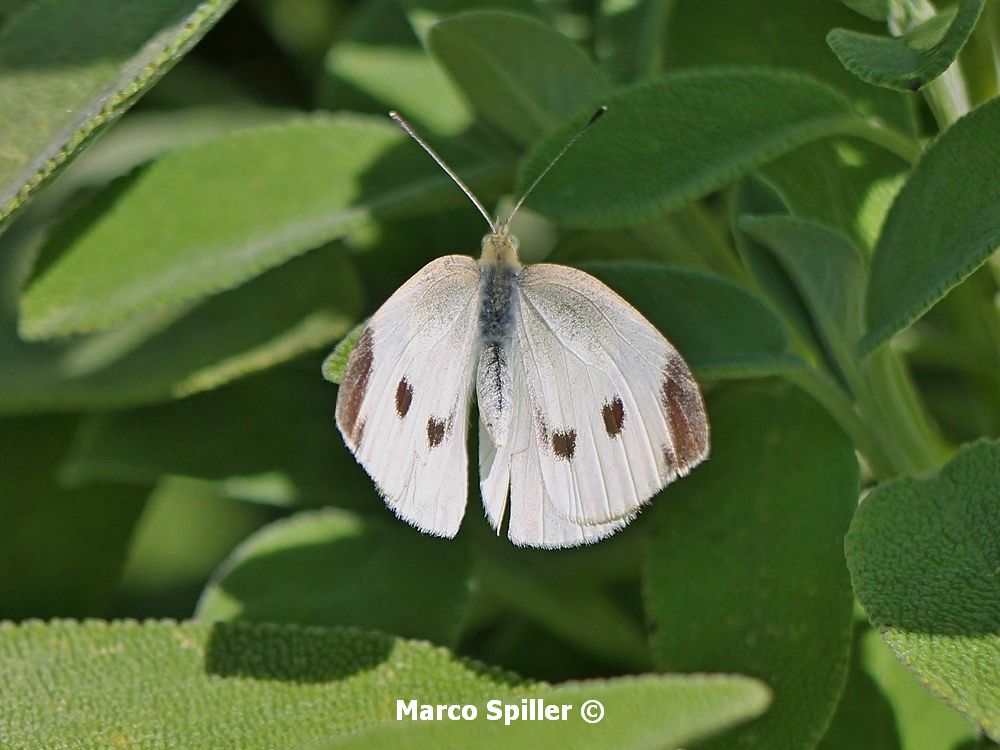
(754, 196)
(922, 720)
(864, 716)
(944, 224)
(830, 273)
(289, 449)
(168, 354)
(61, 551)
(653, 153)
(639, 712)
(924, 561)
(188, 685)
(914, 59)
(877, 10)
(69, 69)
(827, 269)
(692, 236)
(746, 570)
(145, 135)
(567, 595)
(719, 328)
(186, 530)
(424, 14)
(786, 34)
(520, 75)
(377, 64)
(845, 183)
(332, 567)
(838, 181)
(10, 7)
(336, 361)
(209, 217)
(264, 685)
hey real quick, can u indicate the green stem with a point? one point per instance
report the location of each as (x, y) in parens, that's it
(947, 96)
(822, 387)
(885, 396)
(690, 236)
(722, 248)
(890, 404)
(874, 130)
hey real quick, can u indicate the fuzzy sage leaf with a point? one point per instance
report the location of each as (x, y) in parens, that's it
(943, 225)
(916, 58)
(651, 151)
(924, 560)
(69, 69)
(733, 543)
(373, 573)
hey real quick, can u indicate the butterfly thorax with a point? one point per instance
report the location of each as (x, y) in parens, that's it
(500, 248)
(499, 268)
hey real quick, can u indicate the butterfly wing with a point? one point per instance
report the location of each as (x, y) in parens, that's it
(606, 409)
(513, 471)
(403, 405)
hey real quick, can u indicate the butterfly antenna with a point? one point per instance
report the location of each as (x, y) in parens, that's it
(396, 118)
(594, 118)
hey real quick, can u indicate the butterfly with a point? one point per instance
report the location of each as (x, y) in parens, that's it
(585, 409)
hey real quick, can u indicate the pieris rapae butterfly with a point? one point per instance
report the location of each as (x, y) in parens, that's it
(586, 410)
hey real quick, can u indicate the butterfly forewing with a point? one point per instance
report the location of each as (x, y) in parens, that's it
(403, 403)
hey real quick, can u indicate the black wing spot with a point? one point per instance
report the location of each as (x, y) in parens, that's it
(564, 443)
(404, 397)
(435, 431)
(614, 417)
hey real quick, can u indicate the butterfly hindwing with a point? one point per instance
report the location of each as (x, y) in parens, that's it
(512, 472)
(403, 404)
(606, 411)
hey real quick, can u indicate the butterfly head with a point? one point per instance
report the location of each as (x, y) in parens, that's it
(500, 248)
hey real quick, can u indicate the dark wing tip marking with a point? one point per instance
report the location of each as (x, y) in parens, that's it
(404, 397)
(614, 417)
(670, 460)
(686, 416)
(435, 431)
(354, 386)
(564, 443)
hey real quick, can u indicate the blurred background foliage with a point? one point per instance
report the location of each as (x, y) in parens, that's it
(167, 445)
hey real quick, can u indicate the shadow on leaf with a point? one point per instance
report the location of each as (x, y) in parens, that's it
(291, 653)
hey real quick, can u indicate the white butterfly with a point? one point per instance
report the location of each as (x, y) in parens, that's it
(586, 410)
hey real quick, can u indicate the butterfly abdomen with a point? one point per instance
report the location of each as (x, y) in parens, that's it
(498, 288)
